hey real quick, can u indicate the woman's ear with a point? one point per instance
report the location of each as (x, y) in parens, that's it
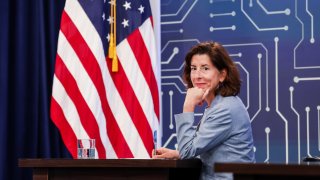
(223, 75)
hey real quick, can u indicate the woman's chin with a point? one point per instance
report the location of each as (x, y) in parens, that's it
(203, 87)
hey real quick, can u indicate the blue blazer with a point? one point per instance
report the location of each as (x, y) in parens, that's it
(223, 135)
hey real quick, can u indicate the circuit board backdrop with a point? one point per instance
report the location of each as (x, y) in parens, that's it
(275, 44)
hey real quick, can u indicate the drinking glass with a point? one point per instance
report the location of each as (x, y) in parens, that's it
(86, 148)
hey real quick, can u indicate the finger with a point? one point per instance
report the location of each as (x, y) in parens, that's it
(161, 150)
(155, 157)
(158, 156)
(205, 94)
(158, 152)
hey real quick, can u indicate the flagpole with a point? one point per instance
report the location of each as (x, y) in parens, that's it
(115, 57)
(110, 51)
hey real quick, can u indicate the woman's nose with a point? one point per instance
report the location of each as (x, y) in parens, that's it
(197, 73)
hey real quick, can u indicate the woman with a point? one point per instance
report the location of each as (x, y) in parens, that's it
(224, 132)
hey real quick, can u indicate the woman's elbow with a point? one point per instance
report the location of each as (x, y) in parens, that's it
(186, 154)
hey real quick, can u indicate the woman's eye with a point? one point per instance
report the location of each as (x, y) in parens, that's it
(204, 68)
(193, 69)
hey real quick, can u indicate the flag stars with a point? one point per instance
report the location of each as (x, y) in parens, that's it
(141, 9)
(127, 5)
(104, 16)
(125, 23)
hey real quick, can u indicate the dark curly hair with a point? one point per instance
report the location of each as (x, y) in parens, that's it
(222, 61)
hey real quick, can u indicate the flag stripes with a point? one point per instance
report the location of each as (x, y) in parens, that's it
(92, 68)
(120, 110)
(142, 57)
(70, 138)
(133, 107)
(86, 117)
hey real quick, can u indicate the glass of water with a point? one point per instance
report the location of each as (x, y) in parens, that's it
(86, 148)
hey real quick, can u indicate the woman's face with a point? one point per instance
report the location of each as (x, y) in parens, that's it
(204, 74)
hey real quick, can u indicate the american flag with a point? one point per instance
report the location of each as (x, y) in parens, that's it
(120, 110)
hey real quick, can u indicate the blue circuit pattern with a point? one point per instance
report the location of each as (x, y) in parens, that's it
(276, 45)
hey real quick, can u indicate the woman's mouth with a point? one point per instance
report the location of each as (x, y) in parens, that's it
(200, 85)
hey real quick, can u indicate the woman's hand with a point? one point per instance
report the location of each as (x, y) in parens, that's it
(195, 96)
(165, 153)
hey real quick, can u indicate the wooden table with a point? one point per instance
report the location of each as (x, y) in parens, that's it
(91, 169)
(264, 171)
